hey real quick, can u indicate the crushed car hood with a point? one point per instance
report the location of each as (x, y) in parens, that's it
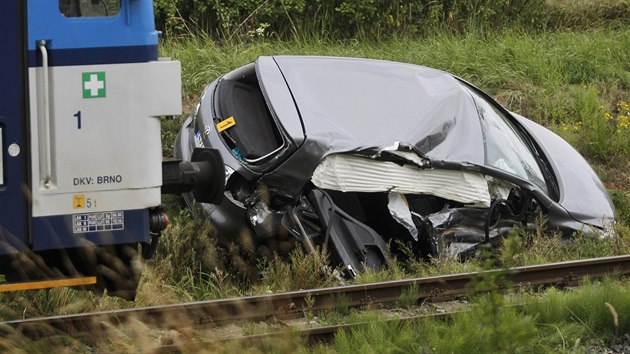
(380, 103)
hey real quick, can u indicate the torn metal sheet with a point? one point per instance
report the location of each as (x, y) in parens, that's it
(349, 173)
(399, 209)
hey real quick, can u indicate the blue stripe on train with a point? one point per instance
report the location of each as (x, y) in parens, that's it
(94, 56)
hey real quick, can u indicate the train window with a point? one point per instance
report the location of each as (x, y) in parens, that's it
(89, 8)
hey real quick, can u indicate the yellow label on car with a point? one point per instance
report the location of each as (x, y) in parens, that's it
(226, 124)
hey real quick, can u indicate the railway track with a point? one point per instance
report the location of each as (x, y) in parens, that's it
(293, 304)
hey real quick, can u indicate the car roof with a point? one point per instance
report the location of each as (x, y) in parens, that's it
(351, 105)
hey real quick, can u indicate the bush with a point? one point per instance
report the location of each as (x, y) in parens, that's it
(227, 19)
(374, 18)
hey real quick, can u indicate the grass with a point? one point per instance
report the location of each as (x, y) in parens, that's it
(561, 79)
(569, 321)
(577, 83)
(306, 272)
(566, 80)
(562, 322)
(557, 321)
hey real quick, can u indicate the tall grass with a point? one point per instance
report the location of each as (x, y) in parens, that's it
(377, 19)
(556, 322)
(570, 321)
(499, 62)
(569, 81)
(577, 83)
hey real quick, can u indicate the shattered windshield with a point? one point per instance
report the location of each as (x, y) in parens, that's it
(505, 148)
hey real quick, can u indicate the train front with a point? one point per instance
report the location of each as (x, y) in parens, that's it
(81, 166)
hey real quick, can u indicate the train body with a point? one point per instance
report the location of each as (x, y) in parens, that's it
(82, 90)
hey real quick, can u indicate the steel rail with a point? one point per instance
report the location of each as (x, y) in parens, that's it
(290, 304)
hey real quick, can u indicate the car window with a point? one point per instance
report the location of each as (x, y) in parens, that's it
(504, 146)
(89, 8)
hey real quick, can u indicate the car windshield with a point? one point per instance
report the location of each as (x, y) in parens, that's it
(504, 147)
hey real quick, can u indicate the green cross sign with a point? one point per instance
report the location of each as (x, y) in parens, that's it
(93, 84)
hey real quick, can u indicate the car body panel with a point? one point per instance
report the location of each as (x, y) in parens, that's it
(367, 105)
(279, 97)
(409, 121)
(582, 193)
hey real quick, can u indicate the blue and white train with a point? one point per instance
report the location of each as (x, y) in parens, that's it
(81, 93)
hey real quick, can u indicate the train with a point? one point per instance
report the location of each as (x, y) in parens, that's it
(81, 167)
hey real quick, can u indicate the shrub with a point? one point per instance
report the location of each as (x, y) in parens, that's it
(377, 18)
(226, 18)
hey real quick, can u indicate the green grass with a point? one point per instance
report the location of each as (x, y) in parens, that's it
(568, 81)
(570, 321)
(577, 83)
(561, 79)
(555, 322)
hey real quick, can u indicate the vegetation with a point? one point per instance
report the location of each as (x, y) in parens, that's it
(377, 19)
(567, 70)
(577, 83)
(574, 321)
(564, 64)
(574, 82)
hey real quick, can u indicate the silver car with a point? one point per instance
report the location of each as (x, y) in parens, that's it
(362, 157)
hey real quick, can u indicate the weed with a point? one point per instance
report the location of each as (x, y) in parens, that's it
(377, 19)
(409, 297)
(309, 301)
(379, 337)
(342, 304)
(621, 199)
(586, 308)
(598, 132)
(300, 271)
(394, 271)
(411, 265)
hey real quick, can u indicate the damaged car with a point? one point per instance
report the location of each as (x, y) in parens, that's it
(357, 157)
